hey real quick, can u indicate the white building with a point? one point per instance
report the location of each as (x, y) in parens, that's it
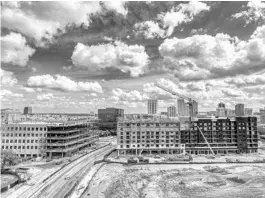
(152, 106)
(172, 111)
(24, 139)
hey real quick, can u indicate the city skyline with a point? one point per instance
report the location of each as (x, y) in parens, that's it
(104, 55)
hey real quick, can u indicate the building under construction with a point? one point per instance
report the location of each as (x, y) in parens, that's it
(69, 137)
(202, 136)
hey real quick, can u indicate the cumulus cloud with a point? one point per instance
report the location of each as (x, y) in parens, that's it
(183, 13)
(255, 12)
(253, 79)
(120, 95)
(149, 30)
(42, 20)
(204, 56)
(62, 83)
(15, 50)
(126, 58)
(9, 94)
(28, 89)
(7, 78)
(45, 97)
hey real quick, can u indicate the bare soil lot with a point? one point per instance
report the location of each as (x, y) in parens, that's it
(166, 181)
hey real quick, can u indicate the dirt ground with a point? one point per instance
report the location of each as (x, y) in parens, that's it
(166, 181)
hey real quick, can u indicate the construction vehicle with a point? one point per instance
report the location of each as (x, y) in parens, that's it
(190, 102)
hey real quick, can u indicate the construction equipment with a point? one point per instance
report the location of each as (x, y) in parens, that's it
(190, 102)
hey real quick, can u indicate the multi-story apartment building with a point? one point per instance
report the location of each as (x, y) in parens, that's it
(234, 135)
(224, 135)
(148, 136)
(29, 139)
(25, 139)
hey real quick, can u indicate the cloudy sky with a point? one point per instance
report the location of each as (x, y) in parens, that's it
(81, 56)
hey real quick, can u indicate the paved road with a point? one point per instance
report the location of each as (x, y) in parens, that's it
(61, 183)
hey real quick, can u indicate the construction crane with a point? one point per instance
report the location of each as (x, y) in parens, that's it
(190, 102)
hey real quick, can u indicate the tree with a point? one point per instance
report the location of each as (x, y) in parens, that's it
(8, 156)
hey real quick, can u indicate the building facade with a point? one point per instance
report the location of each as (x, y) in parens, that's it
(248, 111)
(27, 110)
(172, 111)
(152, 106)
(239, 110)
(108, 118)
(25, 139)
(148, 136)
(183, 109)
(48, 139)
(234, 135)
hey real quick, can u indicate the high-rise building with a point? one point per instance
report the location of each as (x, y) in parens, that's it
(27, 110)
(108, 118)
(221, 105)
(182, 107)
(152, 106)
(195, 109)
(248, 111)
(172, 111)
(221, 111)
(239, 109)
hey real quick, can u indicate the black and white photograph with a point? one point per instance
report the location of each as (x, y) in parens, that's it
(132, 99)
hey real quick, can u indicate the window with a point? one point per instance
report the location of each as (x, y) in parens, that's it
(32, 134)
(6, 147)
(24, 135)
(24, 128)
(7, 141)
(19, 135)
(32, 129)
(32, 141)
(11, 135)
(19, 141)
(19, 147)
(20, 128)
(15, 134)
(27, 147)
(36, 147)
(31, 147)
(23, 141)
(28, 129)
(15, 147)
(15, 141)
(36, 135)
(11, 141)
(28, 134)
(40, 128)
(36, 141)
(27, 141)
(23, 147)
(37, 129)
(10, 147)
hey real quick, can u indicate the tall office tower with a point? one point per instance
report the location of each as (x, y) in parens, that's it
(248, 111)
(239, 108)
(172, 111)
(221, 105)
(228, 113)
(152, 106)
(262, 111)
(181, 107)
(221, 111)
(195, 109)
(27, 110)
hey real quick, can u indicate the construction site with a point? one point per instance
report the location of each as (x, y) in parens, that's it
(117, 181)
(67, 138)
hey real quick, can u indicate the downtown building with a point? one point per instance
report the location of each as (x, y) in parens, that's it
(225, 135)
(42, 139)
(152, 106)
